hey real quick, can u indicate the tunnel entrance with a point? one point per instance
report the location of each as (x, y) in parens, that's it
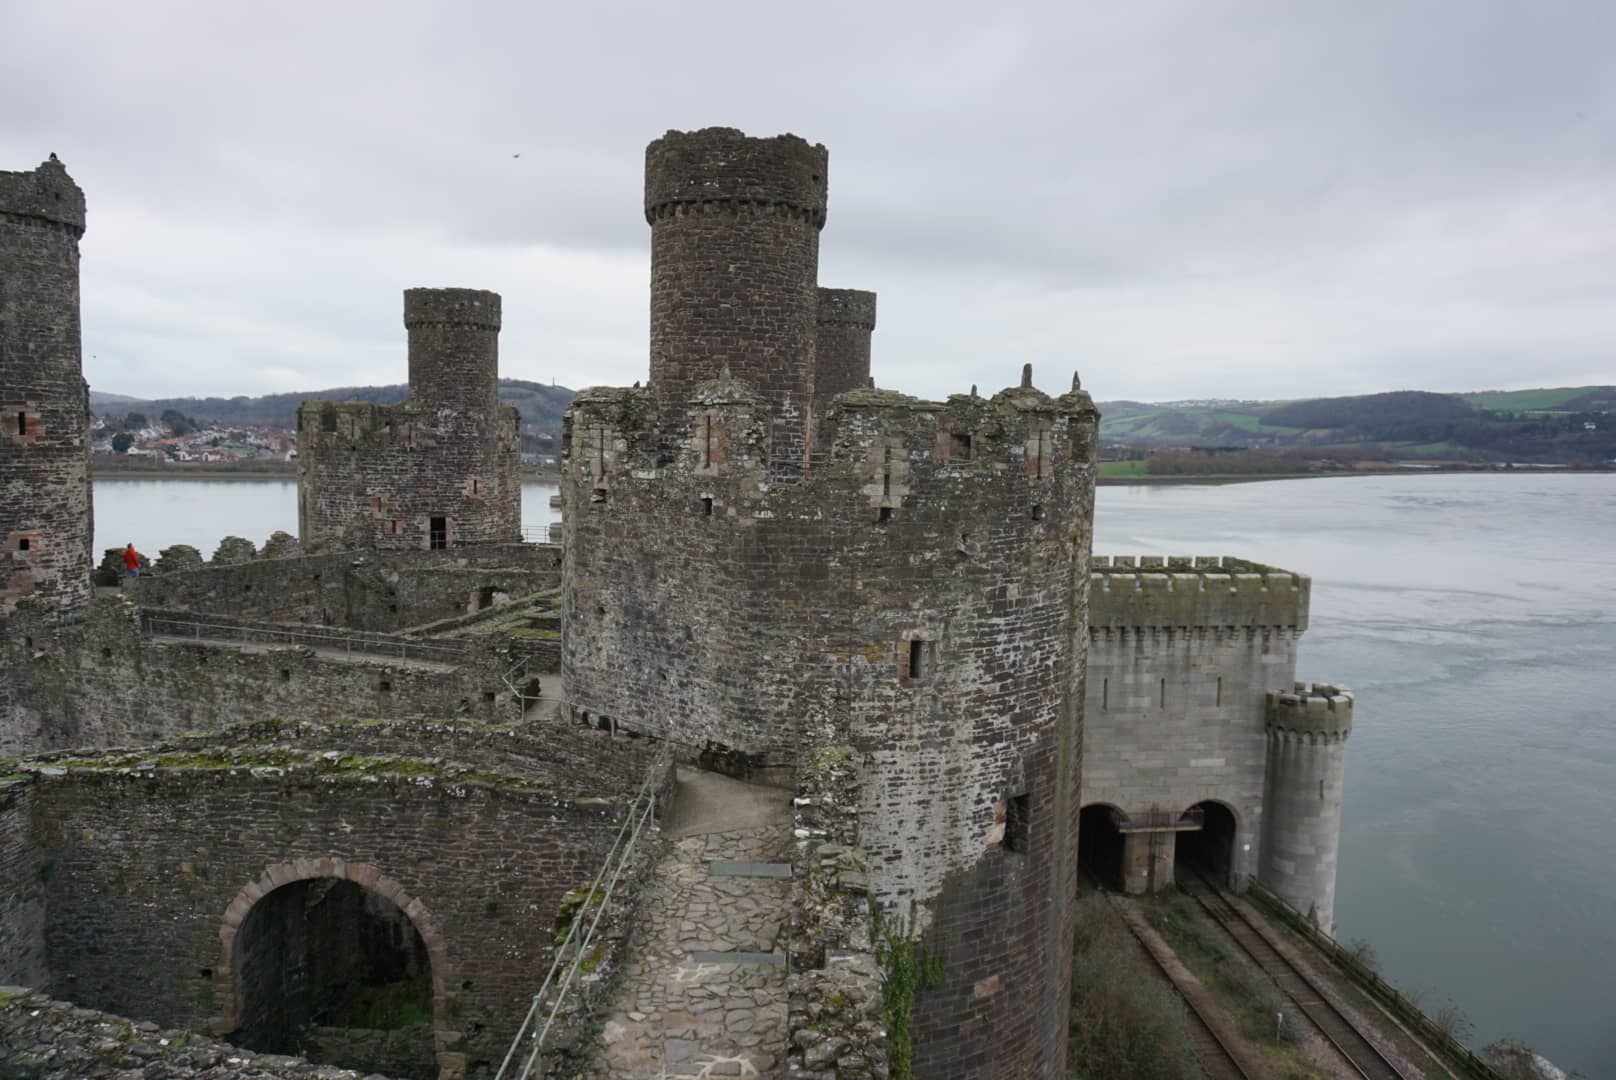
(1210, 849)
(1099, 848)
(338, 974)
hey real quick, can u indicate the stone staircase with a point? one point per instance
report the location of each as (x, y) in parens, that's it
(703, 992)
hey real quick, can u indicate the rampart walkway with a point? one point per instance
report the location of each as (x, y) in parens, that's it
(704, 986)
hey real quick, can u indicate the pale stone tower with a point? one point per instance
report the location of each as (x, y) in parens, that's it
(1307, 748)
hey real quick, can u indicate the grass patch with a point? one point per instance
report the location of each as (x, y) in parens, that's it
(1124, 1020)
(1248, 996)
(1122, 468)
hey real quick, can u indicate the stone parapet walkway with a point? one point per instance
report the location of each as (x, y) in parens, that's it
(703, 992)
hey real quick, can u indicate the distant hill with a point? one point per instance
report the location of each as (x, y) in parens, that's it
(1544, 425)
(541, 406)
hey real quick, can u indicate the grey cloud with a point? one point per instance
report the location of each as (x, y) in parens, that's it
(1181, 198)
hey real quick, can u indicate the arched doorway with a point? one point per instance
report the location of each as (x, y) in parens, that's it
(1209, 849)
(341, 967)
(1099, 847)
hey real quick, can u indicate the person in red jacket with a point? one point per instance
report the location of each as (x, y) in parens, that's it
(131, 561)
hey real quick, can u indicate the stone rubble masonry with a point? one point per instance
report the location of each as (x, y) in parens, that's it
(103, 681)
(836, 1018)
(845, 318)
(45, 1039)
(22, 889)
(734, 260)
(375, 476)
(165, 851)
(916, 588)
(370, 590)
(1307, 745)
(45, 509)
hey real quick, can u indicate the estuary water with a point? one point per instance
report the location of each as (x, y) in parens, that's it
(1475, 619)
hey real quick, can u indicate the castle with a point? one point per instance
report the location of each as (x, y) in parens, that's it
(388, 750)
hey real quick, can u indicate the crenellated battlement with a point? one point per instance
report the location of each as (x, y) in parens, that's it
(894, 442)
(1194, 591)
(46, 193)
(1312, 711)
(846, 307)
(476, 309)
(724, 169)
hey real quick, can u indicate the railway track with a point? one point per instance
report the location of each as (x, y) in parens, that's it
(1359, 1051)
(1217, 1061)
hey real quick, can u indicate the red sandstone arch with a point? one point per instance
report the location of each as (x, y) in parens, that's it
(365, 876)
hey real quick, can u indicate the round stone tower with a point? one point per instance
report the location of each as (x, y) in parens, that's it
(845, 320)
(1307, 745)
(454, 347)
(734, 263)
(45, 526)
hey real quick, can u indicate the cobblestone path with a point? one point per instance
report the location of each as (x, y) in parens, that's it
(704, 987)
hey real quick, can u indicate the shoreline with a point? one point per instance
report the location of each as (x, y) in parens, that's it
(187, 472)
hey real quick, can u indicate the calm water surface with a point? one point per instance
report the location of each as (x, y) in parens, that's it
(1475, 619)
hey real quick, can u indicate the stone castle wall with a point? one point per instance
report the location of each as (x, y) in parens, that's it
(1191, 661)
(371, 590)
(23, 873)
(106, 682)
(198, 836)
(376, 476)
(1181, 657)
(45, 511)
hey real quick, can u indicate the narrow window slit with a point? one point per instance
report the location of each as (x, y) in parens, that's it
(1017, 811)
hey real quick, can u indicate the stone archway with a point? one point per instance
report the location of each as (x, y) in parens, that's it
(370, 879)
(1210, 849)
(1100, 847)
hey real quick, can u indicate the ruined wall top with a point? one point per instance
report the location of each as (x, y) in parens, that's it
(47, 192)
(475, 308)
(723, 165)
(848, 307)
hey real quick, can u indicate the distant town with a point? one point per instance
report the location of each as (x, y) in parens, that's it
(1560, 428)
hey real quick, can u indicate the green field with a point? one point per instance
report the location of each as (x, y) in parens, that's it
(1122, 468)
(1527, 400)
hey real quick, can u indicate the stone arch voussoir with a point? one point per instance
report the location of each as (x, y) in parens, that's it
(370, 878)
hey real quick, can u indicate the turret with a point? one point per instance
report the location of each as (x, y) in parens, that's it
(1307, 735)
(734, 259)
(845, 320)
(454, 347)
(45, 511)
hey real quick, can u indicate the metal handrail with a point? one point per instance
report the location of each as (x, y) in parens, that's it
(616, 860)
(541, 534)
(350, 643)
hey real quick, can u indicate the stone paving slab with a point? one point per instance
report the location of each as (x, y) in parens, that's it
(730, 868)
(738, 958)
(703, 992)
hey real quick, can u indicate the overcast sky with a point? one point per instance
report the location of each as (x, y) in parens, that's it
(1177, 199)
